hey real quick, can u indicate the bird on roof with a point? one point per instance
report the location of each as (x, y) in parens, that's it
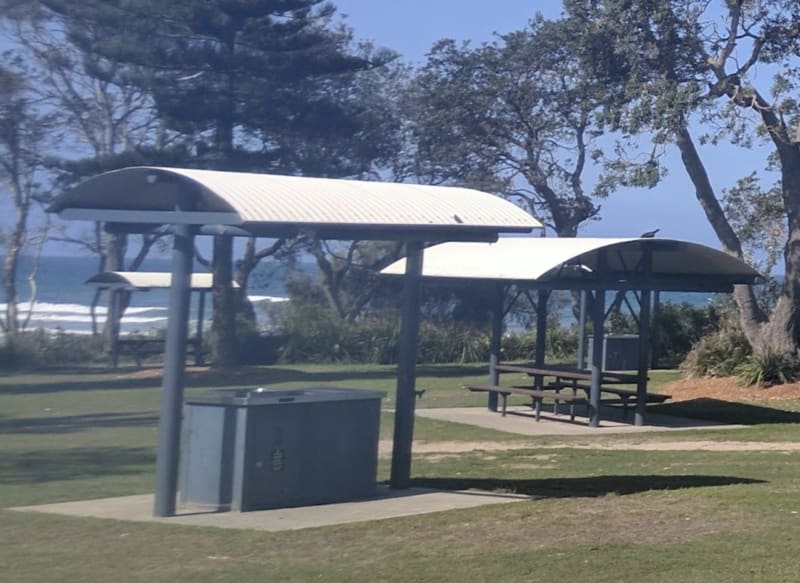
(649, 234)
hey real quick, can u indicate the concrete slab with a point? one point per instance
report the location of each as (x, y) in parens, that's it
(388, 504)
(520, 420)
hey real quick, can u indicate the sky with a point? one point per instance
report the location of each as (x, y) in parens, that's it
(411, 27)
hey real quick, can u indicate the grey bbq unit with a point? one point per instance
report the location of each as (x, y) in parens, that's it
(258, 449)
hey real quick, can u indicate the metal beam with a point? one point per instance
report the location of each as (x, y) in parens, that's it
(598, 324)
(201, 314)
(582, 330)
(169, 423)
(596, 362)
(644, 346)
(406, 369)
(496, 341)
(114, 320)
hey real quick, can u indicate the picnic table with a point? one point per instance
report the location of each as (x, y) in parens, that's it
(140, 347)
(572, 378)
(567, 373)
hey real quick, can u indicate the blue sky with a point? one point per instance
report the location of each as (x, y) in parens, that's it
(412, 26)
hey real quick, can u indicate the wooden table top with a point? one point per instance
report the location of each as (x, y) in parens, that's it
(567, 372)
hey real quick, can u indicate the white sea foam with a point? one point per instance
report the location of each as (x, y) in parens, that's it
(77, 309)
(77, 318)
(274, 299)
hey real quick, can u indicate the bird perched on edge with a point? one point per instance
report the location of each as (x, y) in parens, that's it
(649, 234)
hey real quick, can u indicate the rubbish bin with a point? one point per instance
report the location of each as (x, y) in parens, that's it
(620, 351)
(257, 449)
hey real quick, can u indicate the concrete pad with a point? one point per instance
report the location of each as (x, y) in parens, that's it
(520, 420)
(388, 504)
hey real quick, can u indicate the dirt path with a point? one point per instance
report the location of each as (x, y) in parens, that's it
(439, 447)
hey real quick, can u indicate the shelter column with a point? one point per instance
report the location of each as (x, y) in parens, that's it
(644, 342)
(495, 344)
(199, 360)
(169, 424)
(655, 348)
(596, 362)
(541, 333)
(406, 368)
(541, 325)
(582, 331)
(114, 318)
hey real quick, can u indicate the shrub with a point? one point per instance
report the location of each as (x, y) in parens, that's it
(39, 348)
(442, 342)
(518, 346)
(313, 334)
(560, 344)
(678, 327)
(718, 354)
(767, 368)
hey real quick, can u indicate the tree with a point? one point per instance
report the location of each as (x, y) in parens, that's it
(349, 273)
(105, 123)
(24, 131)
(515, 117)
(255, 85)
(671, 65)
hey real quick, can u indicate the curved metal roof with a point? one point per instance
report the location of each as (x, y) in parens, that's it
(271, 205)
(144, 280)
(584, 262)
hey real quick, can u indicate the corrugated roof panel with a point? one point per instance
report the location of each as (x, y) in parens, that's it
(271, 198)
(146, 279)
(246, 198)
(542, 259)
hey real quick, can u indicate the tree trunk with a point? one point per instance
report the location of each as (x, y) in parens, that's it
(115, 261)
(777, 331)
(224, 349)
(11, 265)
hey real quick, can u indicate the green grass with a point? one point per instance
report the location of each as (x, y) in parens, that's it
(597, 515)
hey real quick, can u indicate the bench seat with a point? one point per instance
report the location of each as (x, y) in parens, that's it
(537, 396)
(626, 396)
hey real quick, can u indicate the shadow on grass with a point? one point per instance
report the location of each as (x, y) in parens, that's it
(207, 378)
(73, 423)
(73, 464)
(580, 487)
(726, 412)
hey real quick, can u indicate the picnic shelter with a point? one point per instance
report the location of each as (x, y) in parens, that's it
(205, 202)
(633, 269)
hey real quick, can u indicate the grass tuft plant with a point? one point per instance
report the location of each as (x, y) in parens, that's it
(767, 368)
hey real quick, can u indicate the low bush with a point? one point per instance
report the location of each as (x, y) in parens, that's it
(41, 349)
(767, 368)
(718, 354)
(678, 327)
(312, 332)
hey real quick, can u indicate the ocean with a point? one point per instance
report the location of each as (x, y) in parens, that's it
(63, 299)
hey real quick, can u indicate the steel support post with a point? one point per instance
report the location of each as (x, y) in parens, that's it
(406, 369)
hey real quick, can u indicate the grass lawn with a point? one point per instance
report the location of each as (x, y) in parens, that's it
(599, 514)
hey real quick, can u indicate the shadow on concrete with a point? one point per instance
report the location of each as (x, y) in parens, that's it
(580, 487)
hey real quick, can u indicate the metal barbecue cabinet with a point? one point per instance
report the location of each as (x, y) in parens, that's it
(258, 449)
